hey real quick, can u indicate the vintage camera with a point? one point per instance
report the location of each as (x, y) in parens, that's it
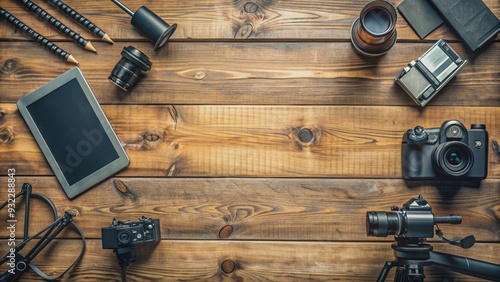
(124, 234)
(449, 152)
(414, 220)
(424, 77)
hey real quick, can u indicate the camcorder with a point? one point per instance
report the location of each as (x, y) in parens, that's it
(414, 220)
(125, 234)
(450, 152)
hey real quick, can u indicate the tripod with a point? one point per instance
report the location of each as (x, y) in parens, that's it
(412, 254)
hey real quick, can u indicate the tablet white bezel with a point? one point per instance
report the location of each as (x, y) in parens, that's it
(100, 174)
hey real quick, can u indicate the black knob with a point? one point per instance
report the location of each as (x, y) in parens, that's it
(478, 126)
(418, 134)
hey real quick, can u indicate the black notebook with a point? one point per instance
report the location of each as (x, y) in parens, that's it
(471, 19)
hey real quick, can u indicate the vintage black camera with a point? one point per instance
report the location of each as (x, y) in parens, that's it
(414, 220)
(124, 234)
(449, 152)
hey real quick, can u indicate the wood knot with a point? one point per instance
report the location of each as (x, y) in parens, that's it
(244, 31)
(225, 232)
(305, 137)
(199, 75)
(2, 114)
(228, 266)
(251, 8)
(6, 135)
(10, 65)
(123, 189)
(151, 140)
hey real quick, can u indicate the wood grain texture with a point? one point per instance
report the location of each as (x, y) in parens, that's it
(355, 142)
(262, 209)
(223, 20)
(312, 73)
(260, 139)
(173, 260)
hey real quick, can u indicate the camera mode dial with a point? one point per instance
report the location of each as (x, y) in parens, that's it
(418, 134)
(478, 126)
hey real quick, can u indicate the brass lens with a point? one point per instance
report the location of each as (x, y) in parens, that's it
(374, 32)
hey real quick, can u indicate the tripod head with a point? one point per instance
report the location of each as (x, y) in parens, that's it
(411, 225)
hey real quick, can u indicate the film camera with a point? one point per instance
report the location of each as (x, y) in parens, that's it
(448, 152)
(124, 234)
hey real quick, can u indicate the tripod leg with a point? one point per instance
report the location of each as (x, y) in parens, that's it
(385, 270)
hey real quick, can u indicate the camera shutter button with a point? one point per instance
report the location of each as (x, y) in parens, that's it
(478, 126)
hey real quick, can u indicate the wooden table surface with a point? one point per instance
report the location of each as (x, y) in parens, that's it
(213, 135)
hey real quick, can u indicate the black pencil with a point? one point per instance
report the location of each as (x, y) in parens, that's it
(63, 7)
(11, 19)
(37, 10)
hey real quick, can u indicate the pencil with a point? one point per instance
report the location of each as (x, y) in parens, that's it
(11, 19)
(41, 13)
(63, 7)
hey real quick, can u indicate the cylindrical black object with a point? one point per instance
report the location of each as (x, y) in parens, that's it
(149, 25)
(128, 70)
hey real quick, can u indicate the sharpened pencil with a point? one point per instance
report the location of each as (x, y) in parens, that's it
(72, 13)
(15, 22)
(44, 15)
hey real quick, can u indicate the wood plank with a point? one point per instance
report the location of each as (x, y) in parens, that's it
(172, 260)
(262, 209)
(355, 142)
(315, 73)
(223, 20)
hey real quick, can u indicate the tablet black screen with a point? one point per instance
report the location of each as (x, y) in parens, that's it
(72, 132)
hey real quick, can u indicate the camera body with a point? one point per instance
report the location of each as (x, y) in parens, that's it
(448, 153)
(124, 234)
(414, 220)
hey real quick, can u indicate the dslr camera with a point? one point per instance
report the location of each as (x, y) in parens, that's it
(449, 152)
(125, 234)
(414, 220)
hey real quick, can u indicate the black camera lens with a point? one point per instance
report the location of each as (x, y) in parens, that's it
(124, 237)
(381, 224)
(453, 159)
(128, 70)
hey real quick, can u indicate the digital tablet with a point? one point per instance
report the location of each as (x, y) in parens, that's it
(73, 133)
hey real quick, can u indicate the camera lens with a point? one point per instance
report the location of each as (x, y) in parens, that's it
(374, 32)
(381, 224)
(128, 70)
(124, 237)
(453, 159)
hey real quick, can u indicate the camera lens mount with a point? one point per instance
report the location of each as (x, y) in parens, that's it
(453, 159)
